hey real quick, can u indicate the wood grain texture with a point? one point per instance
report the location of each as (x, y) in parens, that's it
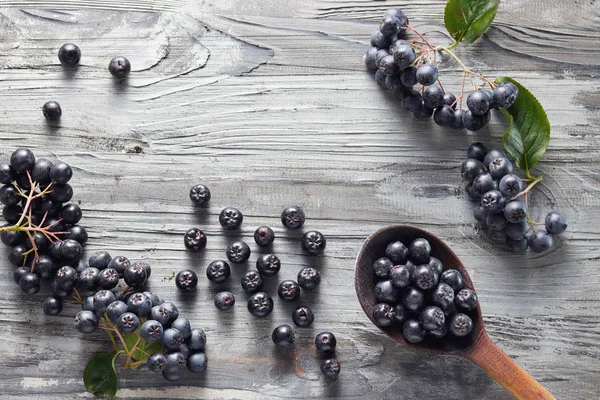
(268, 103)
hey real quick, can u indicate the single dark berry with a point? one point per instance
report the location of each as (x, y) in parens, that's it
(61, 173)
(52, 305)
(194, 240)
(119, 67)
(260, 305)
(197, 362)
(200, 194)
(139, 304)
(330, 368)
(408, 76)
(471, 168)
(556, 222)
(52, 110)
(382, 267)
(71, 214)
(186, 280)
(461, 325)
(224, 301)
(69, 54)
(325, 341)
(268, 264)
(197, 339)
(383, 314)
(427, 74)
(443, 296)
(135, 275)
(52, 208)
(450, 100)
(433, 97)
(264, 236)
(119, 263)
(397, 252)
(388, 66)
(12, 238)
(496, 222)
(292, 217)
(176, 362)
(518, 246)
(313, 242)
(172, 339)
(288, 290)
(400, 276)
(12, 214)
(8, 174)
(477, 151)
(505, 95)
(500, 167)
(379, 40)
(404, 55)
(16, 256)
(231, 218)
(423, 112)
(153, 298)
(22, 160)
(458, 123)
(385, 291)
(478, 102)
(413, 299)
(379, 75)
(389, 25)
(413, 332)
(283, 335)
(419, 251)
(156, 362)
(218, 271)
(466, 299)
(411, 100)
(474, 122)
(517, 231)
(108, 278)
(238, 252)
(86, 321)
(102, 299)
(128, 322)
(114, 310)
(370, 56)
(452, 278)
(510, 185)
(393, 83)
(44, 267)
(436, 264)
(540, 241)
(303, 316)
(161, 314)
(30, 283)
(309, 278)
(515, 211)
(493, 202)
(182, 325)
(61, 193)
(432, 318)
(484, 183)
(9, 195)
(425, 277)
(252, 281)
(444, 115)
(492, 155)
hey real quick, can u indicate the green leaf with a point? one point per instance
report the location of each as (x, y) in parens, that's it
(528, 134)
(150, 348)
(466, 20)
(100, 376)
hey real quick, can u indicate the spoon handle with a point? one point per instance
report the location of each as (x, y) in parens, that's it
(506, 371)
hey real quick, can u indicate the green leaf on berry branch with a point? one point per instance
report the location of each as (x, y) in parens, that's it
(467, 20)
(143, 348)
(100, 376)
(528, 134)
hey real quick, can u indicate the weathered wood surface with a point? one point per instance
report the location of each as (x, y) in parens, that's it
(268, 103)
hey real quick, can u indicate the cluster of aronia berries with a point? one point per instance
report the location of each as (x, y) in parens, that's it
(502, 205)
(41, 225)
(401, 64)
(260, 304)
(69, 55)
(417, 293)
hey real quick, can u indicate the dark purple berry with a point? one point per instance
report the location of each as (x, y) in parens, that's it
(194, 240)
(309, 278)
(443, 295)
(466, 299)
(330, 368)
(224, 301)
(231, 218)
(556, 222)
(119, 67)
(260, 305)
(252, 281)
(69, 54)
(292, 217)
(264, 236)
(268, 264)
(325, 341)
(200, 194)
(288, 290)
(413, 332)
(186, 280)
(238, 252)
(52, 110)
(461, 325)
(283, 335)
(313, 242)
(218, 271)
(419, 251)
(303, 316)
(397, 252)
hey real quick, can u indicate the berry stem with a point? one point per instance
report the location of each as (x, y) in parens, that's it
(464, 67)
(528, 188)
(421, 36)
(130, 353)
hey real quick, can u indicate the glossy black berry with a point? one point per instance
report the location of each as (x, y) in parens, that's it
(260, 305)
(408, 76)
(427, 74)
(61, 173)
(330, 368)
(115, 309)
(196, 362)
(478, 102)
(293, 217)
(413, 332)
(515, 211)
(52, 305)
(252, 281)
(474, 122)
(556, 222)
(7, 174)
(86, 321)
(128, 322)
(505, 95)
(40, 172)
(12, 214)
(382, 267)
(388, 66)
(386, 292)
(444, 115)
(288, 290)
(135, 275)
(119, 263)
(224, 301)
(71, 214)
(500, 167)
(197, 339)
(218, 271)
(303, 316)
(477, 151)
(44, 267)
(172, 339)
(510, 185)
(156, 362)
(471, 168)
(16, 256)
(493, 202)
(484, 183)
(283, 335)
(400, 276)
(419, 251)
(88, 278)
(264, 236)
(432, 318)
(540, 241)
(443, 295)
(425, 277)
(492, 155)
(69, 54)
(313, 242)
(238, 252)
(458, 123)
(413, 299)
(383, 314)
(186, 280)
(61, 193)
(9, 196)
(119, 67)
(433, 97)
(108, 278)
(389, 25)
(231, 218)
(452, 278)
(461, 325)
(102, 299)
(100, 259)
(12, 238)
(194, 240)
(30, 283)
(325, 341)
(268, 264)
(200, 194)
(397, 252)
(309, 278)
(466, 299)
(52, 110)
(22, 160)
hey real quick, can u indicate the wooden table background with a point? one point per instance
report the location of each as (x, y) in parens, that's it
(269, 104)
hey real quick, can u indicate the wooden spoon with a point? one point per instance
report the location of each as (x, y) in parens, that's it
(477, 347)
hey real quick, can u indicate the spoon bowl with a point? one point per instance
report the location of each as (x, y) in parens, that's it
(477, 347)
